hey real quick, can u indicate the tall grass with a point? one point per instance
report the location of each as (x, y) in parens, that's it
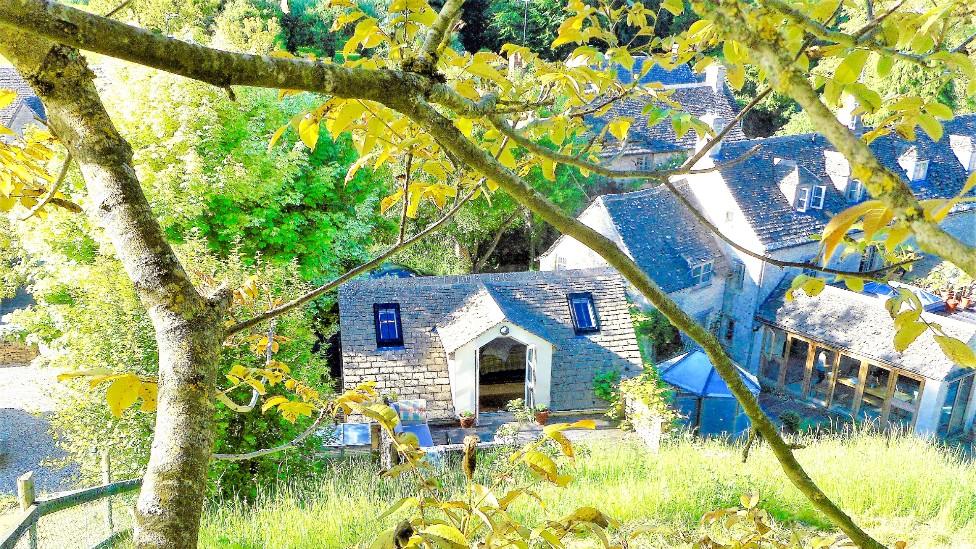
(898, 487)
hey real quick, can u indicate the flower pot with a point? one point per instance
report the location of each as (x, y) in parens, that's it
(964, 302)
(467, 422)
(951, 304)
(542, 417)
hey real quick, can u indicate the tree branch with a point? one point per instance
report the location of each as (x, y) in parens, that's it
(293, 443)
(352, 273)
(483, 257)
(436, 34)
(817, 29)
(53, 190)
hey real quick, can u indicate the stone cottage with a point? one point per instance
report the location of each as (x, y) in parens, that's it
(474, 342)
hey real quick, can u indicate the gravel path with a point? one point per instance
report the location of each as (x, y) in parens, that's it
(25, 439)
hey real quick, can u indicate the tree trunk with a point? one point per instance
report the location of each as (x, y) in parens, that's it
(188, 326)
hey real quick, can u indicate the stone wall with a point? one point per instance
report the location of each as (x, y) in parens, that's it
(16, 353)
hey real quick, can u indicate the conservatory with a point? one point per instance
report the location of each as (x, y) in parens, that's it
(703, 399)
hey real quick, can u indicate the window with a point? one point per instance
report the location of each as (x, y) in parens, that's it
(802, 194)
(875, 392)
(560, 263)
(921, 170)
(737, 275)
(583, 311)
(702, 274)
(855, 190)
(796, 365)
(821, 375)
(729, 329)
(729, 216)
(953, 412)
(847, 383)
(817, 200)
(389, 331)
(643, 162)
(773, 351)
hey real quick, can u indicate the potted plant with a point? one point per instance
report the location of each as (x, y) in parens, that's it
(541, 414)
(467, 419)
(520, 412)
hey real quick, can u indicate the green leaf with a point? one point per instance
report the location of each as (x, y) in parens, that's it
(885, 63)
(957, 351)
(850, 68)
(931, 126)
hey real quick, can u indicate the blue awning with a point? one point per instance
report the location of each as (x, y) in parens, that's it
(693, 372)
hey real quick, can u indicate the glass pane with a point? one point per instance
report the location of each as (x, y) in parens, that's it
(822, 375)
(962, 401)
(774, 343)
(906, 391)
(796, 366)
(946, 415)
(718, 416)
(900, 418)
(875, 392)
(845, 389)
(388, 325)
(584, 312)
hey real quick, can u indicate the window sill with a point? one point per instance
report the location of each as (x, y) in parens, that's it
(399, 347)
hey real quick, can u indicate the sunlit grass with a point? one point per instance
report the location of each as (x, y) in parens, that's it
(899, 488)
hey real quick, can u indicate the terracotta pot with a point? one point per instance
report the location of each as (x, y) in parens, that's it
(951, 304)
(964, 302)
(542, 417)
(467, 422)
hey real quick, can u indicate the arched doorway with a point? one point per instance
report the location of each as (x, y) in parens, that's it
(501, 373)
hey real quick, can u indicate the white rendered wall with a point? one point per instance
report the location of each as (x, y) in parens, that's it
(462, 366)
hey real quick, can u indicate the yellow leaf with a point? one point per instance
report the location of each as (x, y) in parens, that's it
(838, 226)
(390, 200)
(276, 136)
(907, 333)
(449, 534)
(676, 7)
(256, 385)
(272, 402)
(345, 116)
(619, 128)
(850, 68)
(308, 130)
(7, 97)
(957, 351)
(148, 392)
(122, 393)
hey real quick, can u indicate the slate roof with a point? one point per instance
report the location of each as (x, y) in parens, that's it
(660, 235)
(861, 324)
(678, 75)
(661, 138)
(484, 308)
(693, 372)
(754, 182)
(10, 80)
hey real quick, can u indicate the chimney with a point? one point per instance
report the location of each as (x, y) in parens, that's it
(715, 76)
(717, 123)
(965, 151)
(848, 114)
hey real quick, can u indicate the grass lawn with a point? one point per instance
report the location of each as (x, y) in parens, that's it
(899, 488)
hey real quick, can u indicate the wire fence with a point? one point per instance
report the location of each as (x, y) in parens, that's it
(91, 517)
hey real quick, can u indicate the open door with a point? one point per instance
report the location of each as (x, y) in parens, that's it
(531, 362)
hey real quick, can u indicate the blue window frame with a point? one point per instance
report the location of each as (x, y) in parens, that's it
(583, 311)
(389, 330)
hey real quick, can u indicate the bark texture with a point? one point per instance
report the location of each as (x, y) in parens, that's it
(187, 325)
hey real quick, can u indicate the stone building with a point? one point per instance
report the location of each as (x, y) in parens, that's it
(772, 196)
(474, 342)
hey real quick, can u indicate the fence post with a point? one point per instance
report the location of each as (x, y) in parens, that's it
(107, 479)
(26, 496)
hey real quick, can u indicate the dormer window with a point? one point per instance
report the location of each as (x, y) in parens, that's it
(389, 330)
(921, 170)
(702, 273)
(802, 199)
(583, 311)
(855, 190)
(916, 168)
(817, 197)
